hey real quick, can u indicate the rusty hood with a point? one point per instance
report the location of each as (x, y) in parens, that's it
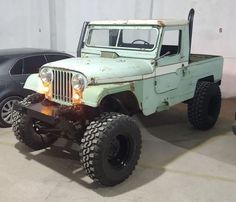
(106, 70)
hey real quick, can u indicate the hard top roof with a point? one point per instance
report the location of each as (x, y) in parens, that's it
(158, 22)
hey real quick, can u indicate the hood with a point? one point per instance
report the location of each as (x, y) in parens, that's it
(106, 70)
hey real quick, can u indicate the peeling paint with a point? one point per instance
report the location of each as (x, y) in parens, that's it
(132, 88)
(92, 80)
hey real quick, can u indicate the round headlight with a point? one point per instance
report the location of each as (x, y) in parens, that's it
(46, 75)
(78, 82)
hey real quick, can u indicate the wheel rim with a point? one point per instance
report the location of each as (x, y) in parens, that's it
(120, 151)
(39, 127)
(6, 111)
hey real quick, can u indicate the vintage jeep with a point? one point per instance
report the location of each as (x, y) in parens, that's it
(124, 67)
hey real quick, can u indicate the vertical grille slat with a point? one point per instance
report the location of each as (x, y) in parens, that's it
(57, 85)
(67, 96)
(64, 87)
(70, 90)
(61, 86)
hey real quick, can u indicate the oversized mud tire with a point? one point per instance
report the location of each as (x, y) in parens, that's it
(204, 108)
(110, 148)
(24, 130)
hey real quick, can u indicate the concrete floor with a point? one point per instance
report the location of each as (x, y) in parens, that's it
(178, 163)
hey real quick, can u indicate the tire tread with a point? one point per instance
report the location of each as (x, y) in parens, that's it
(95, 134)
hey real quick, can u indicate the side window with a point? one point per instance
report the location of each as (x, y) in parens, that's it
(52, 58)
(171, 42)
(32, 64)
(17, 68)
(138, 38)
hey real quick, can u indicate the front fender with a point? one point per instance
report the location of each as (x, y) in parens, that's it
(93, 95)
(34, 83)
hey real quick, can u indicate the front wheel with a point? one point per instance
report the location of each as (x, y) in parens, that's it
(110, 148)
(27, 129)
(204, 108)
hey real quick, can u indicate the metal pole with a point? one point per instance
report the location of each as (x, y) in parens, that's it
(52, 24)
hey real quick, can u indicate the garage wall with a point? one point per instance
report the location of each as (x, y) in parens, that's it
(24, 23)
(56, 24)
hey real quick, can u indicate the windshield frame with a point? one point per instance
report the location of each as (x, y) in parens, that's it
(119, 28)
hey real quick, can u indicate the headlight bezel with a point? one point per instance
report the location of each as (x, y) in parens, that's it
(46, 75)
(79, 82)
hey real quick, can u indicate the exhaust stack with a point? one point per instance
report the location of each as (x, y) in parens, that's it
(190, 19)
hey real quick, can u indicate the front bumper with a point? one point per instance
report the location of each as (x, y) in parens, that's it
(46, 113)
(61, 120)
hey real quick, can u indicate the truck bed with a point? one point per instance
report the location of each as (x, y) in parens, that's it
(201, 66)
(200, 57)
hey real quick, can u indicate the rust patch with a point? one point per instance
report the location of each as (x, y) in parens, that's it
(122, 60)
(132, 88)
(161, 23)
(103, 69)
(92, 81)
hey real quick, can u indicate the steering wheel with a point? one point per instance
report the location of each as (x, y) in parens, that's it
(144, 42)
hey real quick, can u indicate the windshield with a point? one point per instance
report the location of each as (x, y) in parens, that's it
(143, 38)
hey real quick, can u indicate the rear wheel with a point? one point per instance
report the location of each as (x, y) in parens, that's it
(6, 107)
(204, 108)
(27, 130)
(110, 148)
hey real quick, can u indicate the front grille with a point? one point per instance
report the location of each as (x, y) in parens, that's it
(61, 86)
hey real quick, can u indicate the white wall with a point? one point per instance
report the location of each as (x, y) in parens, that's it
(57, 24)
(24, 23)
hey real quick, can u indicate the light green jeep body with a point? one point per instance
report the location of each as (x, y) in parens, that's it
(155, 76)
(123, 67)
